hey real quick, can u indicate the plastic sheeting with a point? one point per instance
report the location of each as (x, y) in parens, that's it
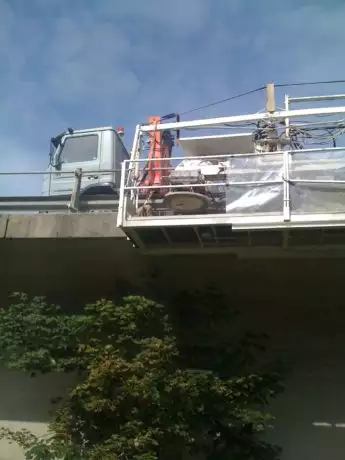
(206, 167)
(304, 197)
(259, 198)
(317, 198)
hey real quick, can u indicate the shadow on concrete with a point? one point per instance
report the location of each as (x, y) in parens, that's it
(27, 399)
(299, 303)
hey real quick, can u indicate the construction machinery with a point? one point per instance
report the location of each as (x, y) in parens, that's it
(271, 179)
(251, 183)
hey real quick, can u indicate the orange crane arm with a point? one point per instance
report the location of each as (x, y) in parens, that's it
(158, 167)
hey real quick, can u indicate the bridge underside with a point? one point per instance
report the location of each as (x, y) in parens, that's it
(82, 268)
(85, 256)
(288, 242)
(297, 302)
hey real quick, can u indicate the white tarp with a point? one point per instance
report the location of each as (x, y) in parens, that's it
(304, 197)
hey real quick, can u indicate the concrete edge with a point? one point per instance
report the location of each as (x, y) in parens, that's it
(102, 225)
(3, 226)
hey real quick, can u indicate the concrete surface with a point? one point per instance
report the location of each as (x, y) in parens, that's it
(310, 412)
(60, 226)
(25, 403)
(299, 303)
(3, 226)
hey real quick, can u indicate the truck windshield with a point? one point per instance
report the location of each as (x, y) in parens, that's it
(79, 149)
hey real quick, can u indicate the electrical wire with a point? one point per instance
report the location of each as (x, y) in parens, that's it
(309, 83)
(221, 101)
(261, 88)
(330, 135)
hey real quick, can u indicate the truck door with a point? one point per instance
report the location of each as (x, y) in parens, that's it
(77, 151)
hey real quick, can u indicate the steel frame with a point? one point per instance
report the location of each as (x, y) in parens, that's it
(326, 242)
(251, 118)
(312, 252)
(53, 204)
(242, 222)
(284, 220)
(324, 248)
(57, 203)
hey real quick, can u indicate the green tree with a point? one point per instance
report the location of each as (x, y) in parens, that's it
(149, 388)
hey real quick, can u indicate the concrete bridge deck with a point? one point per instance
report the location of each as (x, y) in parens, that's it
(60, 226)
(86, 255)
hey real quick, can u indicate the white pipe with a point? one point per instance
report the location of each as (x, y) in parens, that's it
(245, 155)
(331, 97)
(251, 118)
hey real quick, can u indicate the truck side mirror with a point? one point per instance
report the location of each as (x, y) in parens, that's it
(55, 143)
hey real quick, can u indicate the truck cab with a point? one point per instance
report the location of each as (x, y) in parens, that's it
(97, 152)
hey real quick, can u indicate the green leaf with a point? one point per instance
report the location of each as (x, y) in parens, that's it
(155, 382)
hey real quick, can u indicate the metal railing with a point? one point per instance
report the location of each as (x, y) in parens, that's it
(293, 181)
(284, 183)
(73, 202)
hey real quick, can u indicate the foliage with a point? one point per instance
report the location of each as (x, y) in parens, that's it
(148, 390)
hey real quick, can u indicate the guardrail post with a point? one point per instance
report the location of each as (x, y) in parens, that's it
(286, 187)
(122, 199)
(74, 203)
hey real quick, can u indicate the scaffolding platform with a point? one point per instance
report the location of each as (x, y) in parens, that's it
(319, 242)
(250, 193)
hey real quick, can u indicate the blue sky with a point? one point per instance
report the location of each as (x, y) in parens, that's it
(86, 63)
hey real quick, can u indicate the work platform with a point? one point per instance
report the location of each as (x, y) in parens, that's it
(257, 185)
(280, 186)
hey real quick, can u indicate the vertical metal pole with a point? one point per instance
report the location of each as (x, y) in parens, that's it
(287, 119)
(135, 155)
(286, 187)
(270, 98)
(74, 203)
(286, 170)
(122, 204)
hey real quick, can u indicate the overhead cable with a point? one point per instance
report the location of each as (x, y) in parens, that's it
(261, 88)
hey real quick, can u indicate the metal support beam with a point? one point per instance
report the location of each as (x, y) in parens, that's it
(286, 159)
(251, 118)
(122, 201)
(244, 222)
(54, 204)
(135, 152)
(286, 188)
(331, 97)
(287, 120)
(74, 204)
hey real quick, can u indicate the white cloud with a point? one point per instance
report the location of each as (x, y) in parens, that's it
(91, 63)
